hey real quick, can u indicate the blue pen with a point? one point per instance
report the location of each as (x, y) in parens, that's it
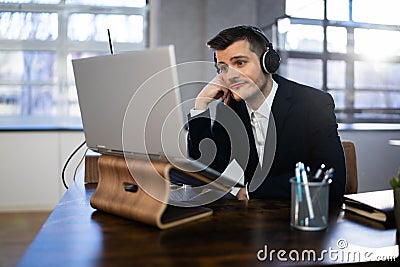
(298, 180)
(328, 174)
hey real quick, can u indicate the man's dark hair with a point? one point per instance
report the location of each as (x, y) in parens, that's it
(230, 35)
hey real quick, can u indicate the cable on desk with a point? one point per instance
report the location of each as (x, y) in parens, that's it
(67, 162)
(80, 163)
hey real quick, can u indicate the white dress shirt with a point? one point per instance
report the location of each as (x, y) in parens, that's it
(259, 121)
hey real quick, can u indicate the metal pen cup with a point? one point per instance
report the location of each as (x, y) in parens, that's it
(309, 205)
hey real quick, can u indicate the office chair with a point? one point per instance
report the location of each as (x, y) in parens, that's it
(351, 167)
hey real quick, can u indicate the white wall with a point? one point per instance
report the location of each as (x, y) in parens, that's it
(30, 168)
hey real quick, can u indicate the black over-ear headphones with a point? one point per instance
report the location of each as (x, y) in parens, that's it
(270, 59)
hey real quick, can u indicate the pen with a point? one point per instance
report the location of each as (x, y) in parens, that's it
(298, 180)
(328, 174)
(307, 191)
(319, 172)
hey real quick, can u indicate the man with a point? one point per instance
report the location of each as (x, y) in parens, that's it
(263, 121)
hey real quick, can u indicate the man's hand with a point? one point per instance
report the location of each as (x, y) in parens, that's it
(215, 89)
(242, 194)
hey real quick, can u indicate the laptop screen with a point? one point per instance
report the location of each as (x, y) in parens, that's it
(130, 103)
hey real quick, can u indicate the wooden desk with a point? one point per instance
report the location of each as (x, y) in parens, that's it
(77, 235)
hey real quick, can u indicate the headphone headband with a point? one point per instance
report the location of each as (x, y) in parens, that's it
(270, 59)
(259, 33)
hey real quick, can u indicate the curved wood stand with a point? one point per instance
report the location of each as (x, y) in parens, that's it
(119, 193)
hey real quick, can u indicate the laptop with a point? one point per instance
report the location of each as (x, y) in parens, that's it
(114, 89)
(130, 105)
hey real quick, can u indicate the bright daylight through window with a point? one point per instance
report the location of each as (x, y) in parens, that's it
(38, 39)
(349, 48)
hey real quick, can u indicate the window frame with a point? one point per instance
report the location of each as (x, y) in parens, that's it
(347, 114)
(62, 47)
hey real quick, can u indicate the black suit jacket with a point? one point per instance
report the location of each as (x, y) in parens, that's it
(302, 128)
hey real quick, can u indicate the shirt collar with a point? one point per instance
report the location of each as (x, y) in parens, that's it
(265, 109)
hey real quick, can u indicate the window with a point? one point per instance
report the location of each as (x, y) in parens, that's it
(38, 40)
(348, 48)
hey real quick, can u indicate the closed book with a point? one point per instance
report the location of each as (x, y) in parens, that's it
(375, 205)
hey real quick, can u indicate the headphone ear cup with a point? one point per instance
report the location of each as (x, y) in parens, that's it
(270, 61)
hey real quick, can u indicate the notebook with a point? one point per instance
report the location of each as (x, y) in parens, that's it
(375, 205)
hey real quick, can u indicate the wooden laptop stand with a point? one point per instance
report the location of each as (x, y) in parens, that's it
(119, 193)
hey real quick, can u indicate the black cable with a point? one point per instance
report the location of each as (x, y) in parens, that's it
(68, 160)
(80, 163)
(110, 42)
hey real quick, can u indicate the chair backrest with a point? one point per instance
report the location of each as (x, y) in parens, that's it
(351, 167)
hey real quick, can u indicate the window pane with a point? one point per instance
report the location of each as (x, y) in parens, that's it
(305, 71)
(377, 44)
(11, 67)
(305, 38)
(130, 3)
(313, 9)
(369, 75)
(365, 99)
(38, 100)
(93, 27)
(26, 66)
(338, 10)
(9, 100)
(31, 1)
(337, 39)
(73, 104)
(370, 11)
(27, 100)
(336, 74)
(339, 98)
(28, 26)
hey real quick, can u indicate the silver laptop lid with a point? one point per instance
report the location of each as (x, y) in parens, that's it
(129, 103)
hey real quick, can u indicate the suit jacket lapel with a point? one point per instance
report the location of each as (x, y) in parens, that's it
(282, 103)
(280, 108)
(253, 162)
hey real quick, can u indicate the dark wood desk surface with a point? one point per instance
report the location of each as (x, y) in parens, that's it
(77, 235)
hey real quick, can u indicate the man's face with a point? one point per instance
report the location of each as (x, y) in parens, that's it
(241, 71)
